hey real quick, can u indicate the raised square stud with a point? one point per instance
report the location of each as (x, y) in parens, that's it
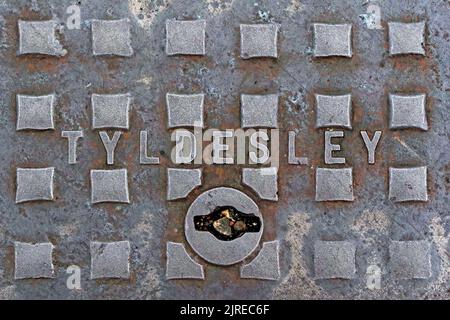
(34, 184)
(185, 110)
(410, 259)
(408, 112)
(110, 111)
(266, 265)
(259, 40)
(180, 265)
(33, 261)
(334, 184)
(408, 184)
(334, 260)
(185, 37)
(35, 112)
(332, 40)
(333, 111)
(406, 38)
(180, 182)
(111, 37)
(109, 186)
(110, 260)
(38, 37)
(259, 111)
(263, 181)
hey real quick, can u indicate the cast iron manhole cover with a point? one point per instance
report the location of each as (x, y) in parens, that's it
(224, 149)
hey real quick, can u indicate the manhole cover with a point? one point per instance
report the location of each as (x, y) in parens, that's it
(224, 149)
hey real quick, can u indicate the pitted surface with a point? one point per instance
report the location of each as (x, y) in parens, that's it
(415, 65)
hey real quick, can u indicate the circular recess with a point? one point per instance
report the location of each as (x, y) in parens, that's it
(208, 246)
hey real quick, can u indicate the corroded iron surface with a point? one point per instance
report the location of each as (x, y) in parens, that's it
(121, 121)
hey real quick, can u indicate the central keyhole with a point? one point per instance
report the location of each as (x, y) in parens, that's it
(227, 223)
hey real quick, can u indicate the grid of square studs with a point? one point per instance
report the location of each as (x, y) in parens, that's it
(184, 110)
(33, 261)
(109, 260)
(113, 37)
(110, 111)
(263, 181)
(332, 260)
(121, 250)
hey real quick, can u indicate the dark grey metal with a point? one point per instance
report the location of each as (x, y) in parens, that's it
(371, 221)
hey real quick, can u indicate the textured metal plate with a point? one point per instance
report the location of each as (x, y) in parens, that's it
(121, 121)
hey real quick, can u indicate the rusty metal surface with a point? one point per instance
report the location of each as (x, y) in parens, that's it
(371, 222)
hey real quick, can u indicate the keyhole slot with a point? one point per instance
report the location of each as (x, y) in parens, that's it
(227, 223)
